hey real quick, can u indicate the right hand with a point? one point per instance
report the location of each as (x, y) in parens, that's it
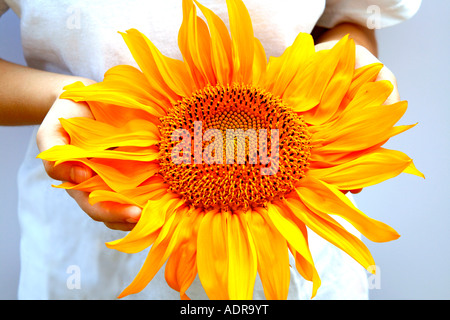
(114, 216)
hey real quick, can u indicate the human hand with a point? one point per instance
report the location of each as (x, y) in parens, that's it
(364, 57)
(114, 216)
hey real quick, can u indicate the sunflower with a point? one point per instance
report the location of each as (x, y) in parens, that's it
(232, 156)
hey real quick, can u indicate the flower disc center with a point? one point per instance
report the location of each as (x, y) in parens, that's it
(233, 147)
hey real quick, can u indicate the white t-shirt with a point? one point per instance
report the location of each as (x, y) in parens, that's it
(63, 255)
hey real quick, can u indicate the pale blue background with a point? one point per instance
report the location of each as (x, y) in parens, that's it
(414, 267)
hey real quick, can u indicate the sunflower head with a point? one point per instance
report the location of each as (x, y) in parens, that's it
(228, 160)
(234, 157)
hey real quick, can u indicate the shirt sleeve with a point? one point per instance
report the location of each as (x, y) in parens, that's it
(374, 14)
(3, 7)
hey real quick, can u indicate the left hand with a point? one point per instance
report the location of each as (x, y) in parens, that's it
(115, 216)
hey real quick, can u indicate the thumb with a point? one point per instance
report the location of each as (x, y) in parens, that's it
(68, 171)
(51, 133)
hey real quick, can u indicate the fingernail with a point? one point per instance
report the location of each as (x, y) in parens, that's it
(134, 214)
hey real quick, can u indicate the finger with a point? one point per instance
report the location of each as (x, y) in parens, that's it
(325, 45)
(108, 212)
(364, 57)
(354, 191)
(68, 171)
(120, 226)
(51, 134)
(386, 74)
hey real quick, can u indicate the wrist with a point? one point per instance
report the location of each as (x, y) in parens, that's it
(361, 35)
(63, 81)
(27, 93)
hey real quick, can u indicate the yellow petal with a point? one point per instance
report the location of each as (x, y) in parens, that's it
(110, 196)
(361, 76)
(71, 152)
(365, 74)
(411, 169)
(336, 88)
(199, 44)
(367, 170)
(181, 268)
(332, 231)
(89, 185)
(101, 93)
(159, 252)
(212, 254)
(295, 237)
(321, 197)
(125, 91)
(242, 41)
(273, 257)
(358, 129)
(126, 78)
(220, 46)
(92, 134)
(107, 113)
(154, 216)
(320, 159)
(306, 89)
(120, 175)
(167, 76)
(259, 64)
(242, 263)
(153, 189)
(189, 43)
(281, 70)
(371, 94)
(118, 169)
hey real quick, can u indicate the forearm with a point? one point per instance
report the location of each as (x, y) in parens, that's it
(27, 94)
(362, 36)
